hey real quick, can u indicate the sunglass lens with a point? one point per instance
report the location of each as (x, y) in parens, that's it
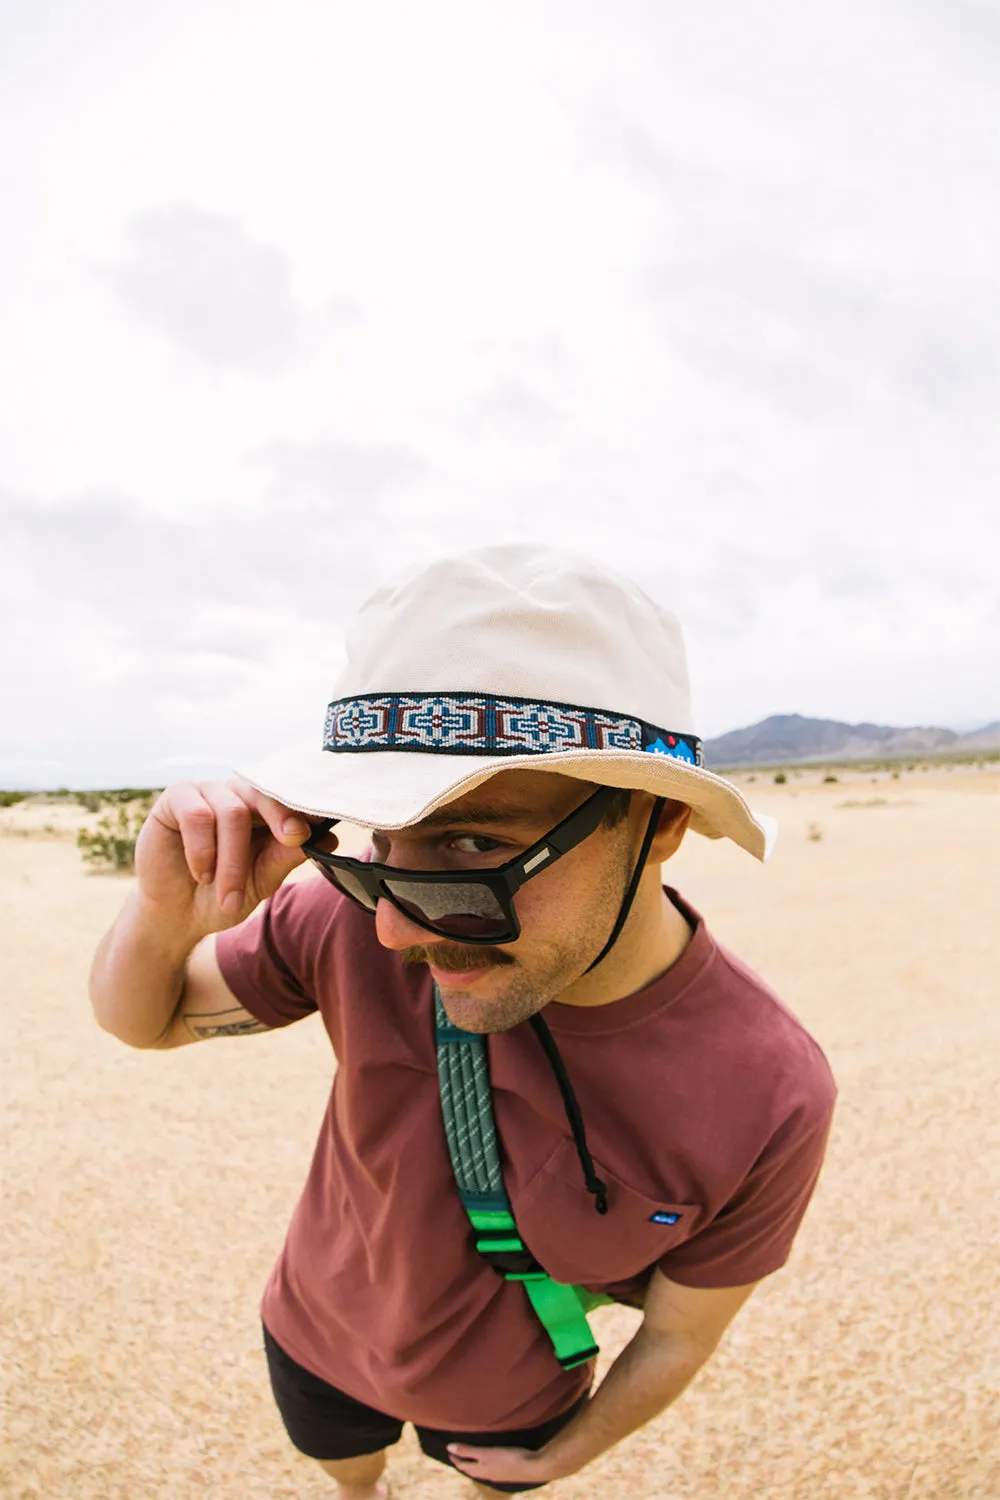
(350, 885)
(459, 911)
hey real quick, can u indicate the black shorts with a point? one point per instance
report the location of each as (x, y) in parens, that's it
(323, 1422)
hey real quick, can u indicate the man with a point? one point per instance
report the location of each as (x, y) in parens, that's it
(514, 726)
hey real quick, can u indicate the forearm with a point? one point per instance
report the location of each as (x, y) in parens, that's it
(647, 1376)
(138, 974)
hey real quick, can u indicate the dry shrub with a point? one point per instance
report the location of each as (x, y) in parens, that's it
(110, 844)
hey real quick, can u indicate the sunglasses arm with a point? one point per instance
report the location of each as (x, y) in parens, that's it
(565, 836)
(317, 830)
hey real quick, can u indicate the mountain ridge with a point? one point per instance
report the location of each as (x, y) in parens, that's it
(793, 738)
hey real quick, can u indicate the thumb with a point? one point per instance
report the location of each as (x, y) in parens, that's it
(276, 861)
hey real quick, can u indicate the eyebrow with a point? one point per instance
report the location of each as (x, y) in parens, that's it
(486, 812)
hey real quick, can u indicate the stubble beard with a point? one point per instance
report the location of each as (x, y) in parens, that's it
(525, 994)
(522, 998)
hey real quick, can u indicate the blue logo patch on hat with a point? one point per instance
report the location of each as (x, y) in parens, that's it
(662, 1217)
(676, 748)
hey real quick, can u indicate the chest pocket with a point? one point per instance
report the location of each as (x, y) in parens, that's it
(558, 1222)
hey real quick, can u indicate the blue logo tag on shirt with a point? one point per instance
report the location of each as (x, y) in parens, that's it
(662, 1217)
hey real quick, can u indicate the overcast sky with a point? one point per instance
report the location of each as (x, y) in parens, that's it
(297, 293)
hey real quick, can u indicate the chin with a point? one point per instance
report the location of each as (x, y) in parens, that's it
(479, 1014)
(485, 1014)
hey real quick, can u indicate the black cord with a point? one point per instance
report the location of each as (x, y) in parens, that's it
(640, 865)
(572, 1108)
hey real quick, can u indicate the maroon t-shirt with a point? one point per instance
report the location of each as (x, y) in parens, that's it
(703, 1098)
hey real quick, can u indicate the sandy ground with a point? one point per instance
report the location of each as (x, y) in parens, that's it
(146, 1194)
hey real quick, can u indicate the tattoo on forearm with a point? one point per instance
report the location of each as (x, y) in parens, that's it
(213, 1028)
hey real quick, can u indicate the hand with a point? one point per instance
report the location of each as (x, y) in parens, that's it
(505, 1465)
(210, 851)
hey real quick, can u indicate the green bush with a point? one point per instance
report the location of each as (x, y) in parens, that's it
(111, 843)
(114, 797)
(830, 778)
(780, 777)
(8, 799)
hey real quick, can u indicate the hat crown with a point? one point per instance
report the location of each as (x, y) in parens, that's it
(522, 621)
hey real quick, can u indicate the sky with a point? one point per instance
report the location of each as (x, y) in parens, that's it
(296, 295)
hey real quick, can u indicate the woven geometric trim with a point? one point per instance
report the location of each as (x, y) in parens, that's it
(486, 724)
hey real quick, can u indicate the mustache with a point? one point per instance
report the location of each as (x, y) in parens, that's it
(453, 959)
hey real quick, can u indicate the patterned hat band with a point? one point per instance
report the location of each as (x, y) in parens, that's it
(484, 724)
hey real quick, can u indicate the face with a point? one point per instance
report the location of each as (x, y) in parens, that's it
(566, 912)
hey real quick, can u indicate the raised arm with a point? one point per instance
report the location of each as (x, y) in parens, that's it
(207, 855)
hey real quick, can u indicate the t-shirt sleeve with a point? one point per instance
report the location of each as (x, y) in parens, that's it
(268, 961)
(752, 1235)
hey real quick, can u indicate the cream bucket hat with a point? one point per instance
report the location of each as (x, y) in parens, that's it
(503, 658)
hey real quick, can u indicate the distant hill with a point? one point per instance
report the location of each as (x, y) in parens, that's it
(785, 738)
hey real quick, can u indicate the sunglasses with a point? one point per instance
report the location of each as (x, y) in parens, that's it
(469, 906)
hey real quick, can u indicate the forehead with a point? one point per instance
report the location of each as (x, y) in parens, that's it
(522, 797)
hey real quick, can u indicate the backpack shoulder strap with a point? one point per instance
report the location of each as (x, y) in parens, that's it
(467, 1108)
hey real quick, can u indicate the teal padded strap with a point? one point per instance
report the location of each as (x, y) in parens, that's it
(467, 1108)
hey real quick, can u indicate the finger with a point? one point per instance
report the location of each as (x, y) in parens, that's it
(272, 862)
(183, 810)
(493, 1463)
(233, 826)
(288, 826)
(326, 841)
(472, 1457)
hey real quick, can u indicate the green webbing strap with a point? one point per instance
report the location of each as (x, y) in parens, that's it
(467, 1107)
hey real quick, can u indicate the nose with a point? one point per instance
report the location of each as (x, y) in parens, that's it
(395, 930)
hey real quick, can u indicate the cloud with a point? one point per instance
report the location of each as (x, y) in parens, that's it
(141, 635)
(626, 146)
(328, 468)
(977, 18)
(853, 581)
(190, 601)
(169, 582)
(509, 405)
(214, 290)
(715, 303)
(813, 337)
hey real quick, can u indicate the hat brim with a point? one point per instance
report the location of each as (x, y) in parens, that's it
(395, 789)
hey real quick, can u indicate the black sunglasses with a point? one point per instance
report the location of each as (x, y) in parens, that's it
(469, 906)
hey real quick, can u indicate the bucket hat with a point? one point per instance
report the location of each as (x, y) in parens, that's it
(501, 658)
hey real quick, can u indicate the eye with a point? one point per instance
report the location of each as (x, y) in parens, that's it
(474, 843)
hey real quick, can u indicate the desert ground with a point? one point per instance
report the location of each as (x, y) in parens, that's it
(146, 1194)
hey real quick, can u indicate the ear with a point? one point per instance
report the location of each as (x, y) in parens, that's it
(670, 831)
